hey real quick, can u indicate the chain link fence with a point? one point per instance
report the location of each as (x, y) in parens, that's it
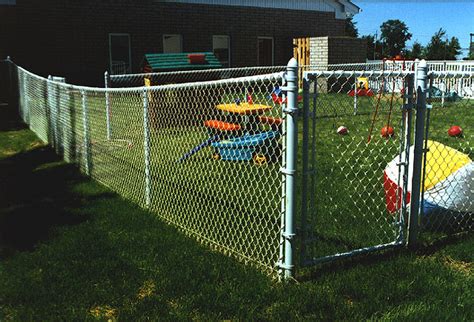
(218, 156)
(448, 175)
(176, 77)
(352, 137)
(205, 157)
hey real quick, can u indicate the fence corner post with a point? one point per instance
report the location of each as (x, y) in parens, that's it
(107, 104)
(291, 111)
(421, 89)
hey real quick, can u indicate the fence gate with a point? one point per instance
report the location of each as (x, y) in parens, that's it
(354, 168)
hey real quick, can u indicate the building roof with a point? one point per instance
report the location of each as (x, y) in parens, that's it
(341, 8)
(7, 2)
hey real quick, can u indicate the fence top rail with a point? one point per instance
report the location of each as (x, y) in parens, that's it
(355, 73)
(451, 74)
(239, 80)
(388, 73)
(198, 71)
(452, 62)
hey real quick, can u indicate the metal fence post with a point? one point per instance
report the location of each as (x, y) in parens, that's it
(59, 116)
(306, 172)
(68, 128)
(421, 88)
(86, 134)
(290, 171)
(406, 143)
(52, 105)
(146, 131)
(47, 114)
(355, 94)
(107, 104)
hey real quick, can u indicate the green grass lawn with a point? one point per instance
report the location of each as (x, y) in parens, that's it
(71, 248)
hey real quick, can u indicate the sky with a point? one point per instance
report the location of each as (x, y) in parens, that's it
(423, 18)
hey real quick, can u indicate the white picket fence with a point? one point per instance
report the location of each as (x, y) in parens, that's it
(462, 86)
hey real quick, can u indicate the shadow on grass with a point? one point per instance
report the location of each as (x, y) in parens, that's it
(321, 271)
(34, 198)
(10, 121)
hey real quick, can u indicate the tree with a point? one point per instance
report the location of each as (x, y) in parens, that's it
(416, 51)
(454, 49)
(441, 48)
(374, 48)
(394, 36)
(351, 28)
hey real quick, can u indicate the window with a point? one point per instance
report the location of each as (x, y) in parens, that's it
(221, 48)
(172, 44)
(265, 51)
(120, 54)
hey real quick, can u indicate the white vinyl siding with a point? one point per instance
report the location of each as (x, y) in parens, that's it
(340, 8)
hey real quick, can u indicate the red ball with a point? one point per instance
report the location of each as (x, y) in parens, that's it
(342, 130)
(387, 131)
(455, 131)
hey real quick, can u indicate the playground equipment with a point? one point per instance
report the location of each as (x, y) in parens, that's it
(241, 139)
(247, 147)
(448, 96)
(179, 61)
(361, 88)
(387, 131)
(455, 131)
(277, 96)
(381, 91)
(448, 185)
(342, 130)
(217, 130)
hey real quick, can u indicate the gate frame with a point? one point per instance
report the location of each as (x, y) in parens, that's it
(418, 77)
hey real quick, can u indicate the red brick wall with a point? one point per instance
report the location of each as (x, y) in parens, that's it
(345, 50)
(7, 30)
(70, 38)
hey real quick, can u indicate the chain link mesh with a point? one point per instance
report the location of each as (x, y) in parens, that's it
(448, 189)
(347, 199)
(205, 156)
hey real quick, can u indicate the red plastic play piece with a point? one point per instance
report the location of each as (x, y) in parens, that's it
(279, 100)
(197, 58)
(362, 92)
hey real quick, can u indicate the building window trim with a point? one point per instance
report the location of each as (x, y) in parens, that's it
(229, 55)
(111, 35)
(180, 41)
(273, 48)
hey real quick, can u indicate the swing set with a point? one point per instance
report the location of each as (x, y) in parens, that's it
(387, 131)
